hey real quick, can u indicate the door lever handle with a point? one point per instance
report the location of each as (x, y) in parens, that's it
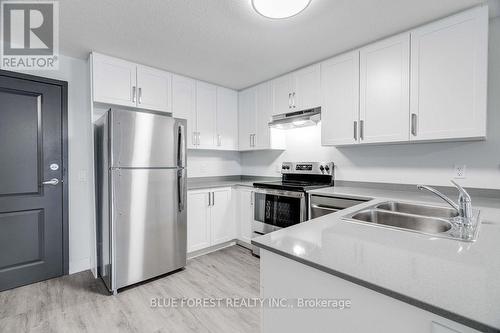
(53, 182)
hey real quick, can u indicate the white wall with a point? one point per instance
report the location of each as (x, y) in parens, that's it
(430, 163)
(76, 73)
(209, 163)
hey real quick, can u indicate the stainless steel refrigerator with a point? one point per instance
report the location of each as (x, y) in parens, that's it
(141, 195)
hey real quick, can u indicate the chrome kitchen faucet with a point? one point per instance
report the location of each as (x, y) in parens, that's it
(464, 206)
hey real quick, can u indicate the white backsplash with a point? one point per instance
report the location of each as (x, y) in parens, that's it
(209, 163)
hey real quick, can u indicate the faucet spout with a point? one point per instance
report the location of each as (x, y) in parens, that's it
(441, 195)
(464, 206)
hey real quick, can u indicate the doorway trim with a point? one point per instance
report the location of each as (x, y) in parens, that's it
(64, 149)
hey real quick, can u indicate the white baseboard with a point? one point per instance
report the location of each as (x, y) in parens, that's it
(214, 248)
(244, 244)
(80, 265)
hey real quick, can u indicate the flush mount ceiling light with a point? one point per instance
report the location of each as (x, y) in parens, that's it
(279, 9)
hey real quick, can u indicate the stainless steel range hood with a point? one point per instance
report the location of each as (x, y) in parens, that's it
(296, 119)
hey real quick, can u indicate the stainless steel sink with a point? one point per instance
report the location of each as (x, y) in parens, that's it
(421, 218)
(423, 210)
(404, 221)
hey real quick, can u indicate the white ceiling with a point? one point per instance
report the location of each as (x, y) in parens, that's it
(226, 42)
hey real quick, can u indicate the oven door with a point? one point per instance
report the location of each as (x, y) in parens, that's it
(276, 209)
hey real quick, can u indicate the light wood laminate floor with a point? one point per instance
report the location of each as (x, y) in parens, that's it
(80, 303)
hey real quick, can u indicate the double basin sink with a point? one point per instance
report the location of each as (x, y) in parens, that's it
(421, 218)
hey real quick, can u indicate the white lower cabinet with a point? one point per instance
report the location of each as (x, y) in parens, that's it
(223, 225)
(244, 213)
(198, 216)
(210, 218)
(369, 311)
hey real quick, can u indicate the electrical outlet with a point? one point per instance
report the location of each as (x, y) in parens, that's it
(460, 171)
(82, 175)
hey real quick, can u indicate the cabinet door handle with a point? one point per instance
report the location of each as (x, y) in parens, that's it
(355, 130)
(362, 129)
(293, 100)
(198, 134)
(213, 198)
(193, 139)
(253, 140)
(140, 95)
(209, 199)
(414, 124)
(251, 198)
(219, 140)
(133, 93)
(289, 100)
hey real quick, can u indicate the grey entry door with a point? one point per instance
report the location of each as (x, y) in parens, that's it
(31, 153)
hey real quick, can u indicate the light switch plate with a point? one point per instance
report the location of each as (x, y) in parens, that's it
(460, 170)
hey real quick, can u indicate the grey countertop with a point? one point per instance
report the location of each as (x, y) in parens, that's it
(198, 183)
(454, 279)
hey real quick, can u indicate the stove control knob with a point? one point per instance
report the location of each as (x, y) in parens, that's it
(327, 168)
(321, 168)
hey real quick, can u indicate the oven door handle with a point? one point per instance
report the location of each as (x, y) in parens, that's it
(290, 194)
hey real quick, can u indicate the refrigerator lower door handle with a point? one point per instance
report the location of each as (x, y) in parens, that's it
(181, 190)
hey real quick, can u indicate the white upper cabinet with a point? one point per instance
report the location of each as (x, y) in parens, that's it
(211, 113)
(114, 81)
(282, 94)
(449, 77)
(264, 107)
(255, 111)
(306, 88)
(206, 108)
(154, 89)
(340, 99)
(119, 82)
(384, 90)
(184, 105)
(296, 91)
(227, 119)
(247, 118)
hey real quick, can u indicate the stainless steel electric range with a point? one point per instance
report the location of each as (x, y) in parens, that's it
(284, 203)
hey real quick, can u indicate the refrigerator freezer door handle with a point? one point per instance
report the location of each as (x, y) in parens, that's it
(181, 149)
